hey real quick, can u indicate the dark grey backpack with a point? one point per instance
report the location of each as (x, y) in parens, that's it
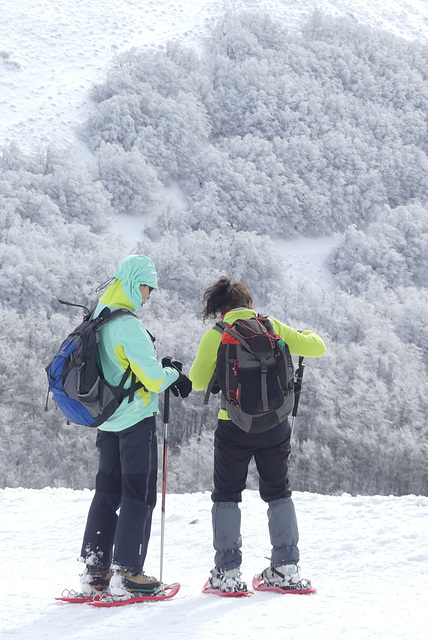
(255, 373)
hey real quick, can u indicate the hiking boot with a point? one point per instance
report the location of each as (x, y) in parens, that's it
(226, 581)
(286, 576)
(93, 580)
(126, 584)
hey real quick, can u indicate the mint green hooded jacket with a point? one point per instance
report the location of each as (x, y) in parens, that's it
(125, 341)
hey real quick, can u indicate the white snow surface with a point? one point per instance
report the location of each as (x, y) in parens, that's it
(368, 557)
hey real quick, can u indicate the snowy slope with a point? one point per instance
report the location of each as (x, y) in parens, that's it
(52, 52)
(368, 556)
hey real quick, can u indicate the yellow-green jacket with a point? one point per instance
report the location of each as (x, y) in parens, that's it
(303, 343)
(125, 341)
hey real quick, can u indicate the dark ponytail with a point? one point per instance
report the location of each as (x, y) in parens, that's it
(225, 295)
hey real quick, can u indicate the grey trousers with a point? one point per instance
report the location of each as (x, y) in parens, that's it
(283, 531)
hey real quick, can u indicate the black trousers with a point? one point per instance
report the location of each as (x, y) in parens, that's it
(126, 479)
(233, 450)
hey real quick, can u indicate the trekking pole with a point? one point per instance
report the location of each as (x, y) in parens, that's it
(165, 451)
(298, 375)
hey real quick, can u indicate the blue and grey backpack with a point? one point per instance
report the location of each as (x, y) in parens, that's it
(75, 376)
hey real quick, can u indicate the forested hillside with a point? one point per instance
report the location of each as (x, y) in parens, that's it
(261, 134)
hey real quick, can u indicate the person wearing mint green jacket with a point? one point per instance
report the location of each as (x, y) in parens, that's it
(114, 546)
(234, 448)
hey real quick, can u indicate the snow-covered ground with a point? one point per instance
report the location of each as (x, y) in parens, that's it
(307, 257)
(368, 557)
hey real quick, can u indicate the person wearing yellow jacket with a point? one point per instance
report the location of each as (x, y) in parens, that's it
(114, 546)
(234, 448)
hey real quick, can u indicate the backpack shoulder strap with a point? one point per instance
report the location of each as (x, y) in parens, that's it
(105, 316)
(220, 326)
(267, 322)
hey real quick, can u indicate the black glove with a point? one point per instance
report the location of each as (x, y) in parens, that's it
(215, 388)
(182, 386)
(173, 364)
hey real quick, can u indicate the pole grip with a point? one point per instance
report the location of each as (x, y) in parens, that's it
(298, 385)
(166, 406)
